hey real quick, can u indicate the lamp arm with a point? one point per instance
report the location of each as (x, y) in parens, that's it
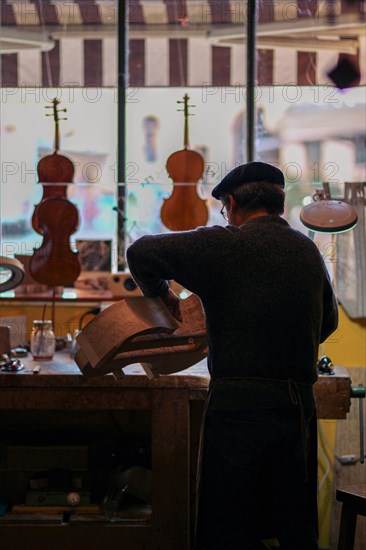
(326, 188)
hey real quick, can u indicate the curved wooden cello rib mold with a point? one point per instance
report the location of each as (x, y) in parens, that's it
(142, 330)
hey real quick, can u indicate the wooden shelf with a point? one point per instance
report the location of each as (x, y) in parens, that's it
(57, 515)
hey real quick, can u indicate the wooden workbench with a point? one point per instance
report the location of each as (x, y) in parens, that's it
(61, 387)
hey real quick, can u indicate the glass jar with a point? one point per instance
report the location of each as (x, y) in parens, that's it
(43, 341)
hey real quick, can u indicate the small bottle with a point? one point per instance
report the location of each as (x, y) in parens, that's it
(43, 341)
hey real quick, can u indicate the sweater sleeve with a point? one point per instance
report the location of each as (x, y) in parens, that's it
(330, 310)
(153, 260)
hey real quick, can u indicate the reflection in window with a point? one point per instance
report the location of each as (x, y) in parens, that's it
(313, 152)
(239, 133)
(360, 146)
(151, 127)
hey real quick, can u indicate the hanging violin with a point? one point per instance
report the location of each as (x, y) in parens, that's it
(56, 218)
(184, 209)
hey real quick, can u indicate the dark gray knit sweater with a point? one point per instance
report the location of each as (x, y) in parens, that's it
(264, 287)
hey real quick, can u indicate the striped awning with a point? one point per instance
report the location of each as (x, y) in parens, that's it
(159, 12)
(63, 43)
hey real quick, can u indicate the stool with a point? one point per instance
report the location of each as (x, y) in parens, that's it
(353, 500)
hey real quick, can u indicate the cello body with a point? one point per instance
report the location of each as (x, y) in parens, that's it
(54, 263)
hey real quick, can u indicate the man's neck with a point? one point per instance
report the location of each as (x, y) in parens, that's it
(257, 214)
(244, 217)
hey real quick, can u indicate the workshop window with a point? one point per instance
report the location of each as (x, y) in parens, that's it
(198, 48)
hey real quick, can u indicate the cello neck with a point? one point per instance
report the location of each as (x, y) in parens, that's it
(55, 103)
(57, 137)
(186, 114)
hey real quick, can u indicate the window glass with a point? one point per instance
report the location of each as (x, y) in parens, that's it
(88, 137)
(311, 142)
(65, 50)
(309, 99)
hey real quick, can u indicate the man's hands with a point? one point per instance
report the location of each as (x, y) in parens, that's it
(172, 302)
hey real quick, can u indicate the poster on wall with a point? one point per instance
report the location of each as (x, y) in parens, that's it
(94, 255)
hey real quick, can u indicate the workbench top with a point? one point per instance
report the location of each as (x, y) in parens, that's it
(62, 373)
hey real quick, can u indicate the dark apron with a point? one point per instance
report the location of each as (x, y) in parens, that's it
(240, 393)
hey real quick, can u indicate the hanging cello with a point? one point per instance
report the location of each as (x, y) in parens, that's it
(184, 209)
(55, 218)
(55, 169)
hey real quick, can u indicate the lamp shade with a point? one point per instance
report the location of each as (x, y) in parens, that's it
(329, 216)
(11, 273)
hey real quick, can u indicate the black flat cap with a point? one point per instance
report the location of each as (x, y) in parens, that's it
(248, 173)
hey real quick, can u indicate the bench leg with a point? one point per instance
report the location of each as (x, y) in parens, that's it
(347, 529)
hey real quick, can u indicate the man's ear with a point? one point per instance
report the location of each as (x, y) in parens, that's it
(233, 204)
